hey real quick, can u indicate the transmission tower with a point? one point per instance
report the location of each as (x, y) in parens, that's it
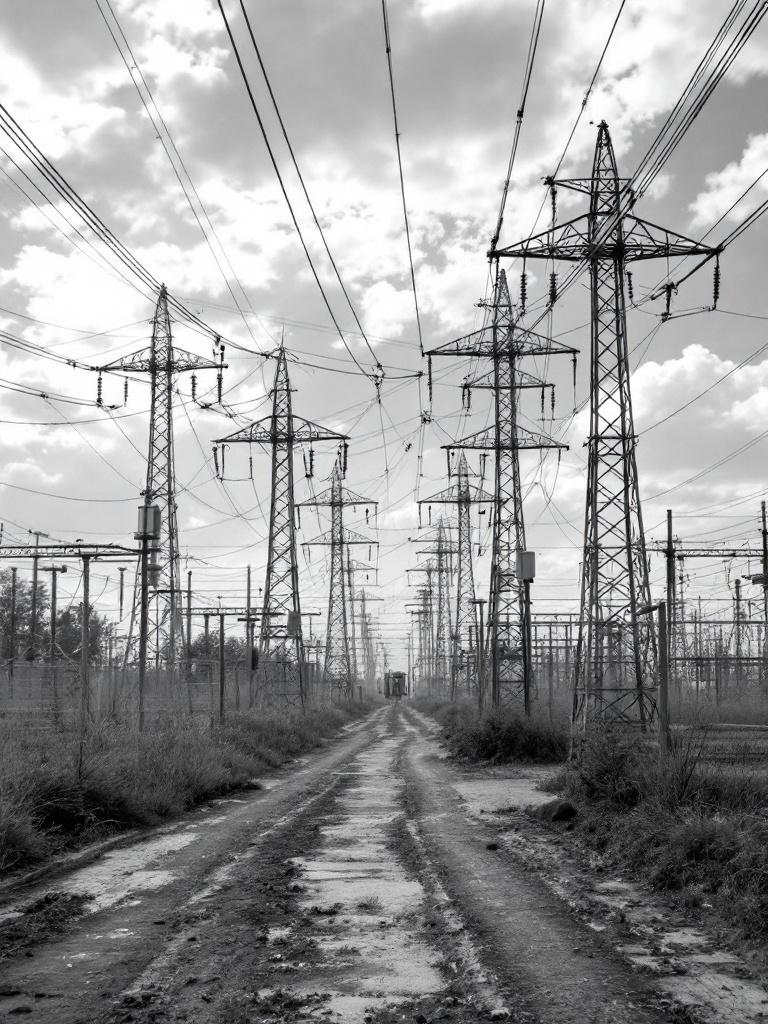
(616, 650)
(423, 609)
(505, 344)
(463, 495)
(280, 639)
(339, 672)
(162, 362)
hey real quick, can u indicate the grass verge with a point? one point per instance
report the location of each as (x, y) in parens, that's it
(496, 735)
(692, 828)
(52, 799)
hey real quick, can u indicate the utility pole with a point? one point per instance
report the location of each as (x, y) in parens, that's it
(85, 638)
(669, 553)
(32, 650)
(616, 662)
(764, 534)
(12, 644)
(54, 570)
(505, 344)
(338, 672)
(480, 648)
(162, 362)
(280, 641)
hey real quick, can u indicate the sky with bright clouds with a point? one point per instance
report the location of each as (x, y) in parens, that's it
(458, 67)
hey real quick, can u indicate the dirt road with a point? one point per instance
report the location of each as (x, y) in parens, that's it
(363, 884)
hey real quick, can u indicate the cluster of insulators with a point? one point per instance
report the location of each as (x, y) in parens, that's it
(551, 400)
(466, 396)
(523, 292)
(309, 463)
(100, 392)
(552, 288)
(219, 467)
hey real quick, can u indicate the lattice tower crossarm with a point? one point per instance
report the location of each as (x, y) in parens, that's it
(615, 675)
(280, 433)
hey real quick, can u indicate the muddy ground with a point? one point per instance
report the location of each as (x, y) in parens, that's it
(375, 881)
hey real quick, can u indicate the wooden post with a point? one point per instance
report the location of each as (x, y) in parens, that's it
(663, 681)
(222, 668)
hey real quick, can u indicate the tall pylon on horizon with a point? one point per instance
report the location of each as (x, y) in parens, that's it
(281, 649)
(162, 362)
(615, 676)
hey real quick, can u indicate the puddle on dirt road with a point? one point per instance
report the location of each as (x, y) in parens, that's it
(362, 901)
(123, 873)
(494, 795)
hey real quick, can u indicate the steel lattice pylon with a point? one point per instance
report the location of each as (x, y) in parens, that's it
(505, 344)
(439, 570)
(340, 665)
(161, 361)
(464, 635)
(280, 637)
(616, 650)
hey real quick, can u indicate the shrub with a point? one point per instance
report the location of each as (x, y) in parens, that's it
(497, 735)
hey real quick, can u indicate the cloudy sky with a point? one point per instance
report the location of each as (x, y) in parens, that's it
(73, 470)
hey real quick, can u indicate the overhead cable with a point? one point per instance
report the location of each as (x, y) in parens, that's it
(400, 170)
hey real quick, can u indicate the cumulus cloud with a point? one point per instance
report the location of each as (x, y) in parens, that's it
(723, 188)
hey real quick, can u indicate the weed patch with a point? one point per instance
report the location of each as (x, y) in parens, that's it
(685, 825)
(497, 735)
(51, 799)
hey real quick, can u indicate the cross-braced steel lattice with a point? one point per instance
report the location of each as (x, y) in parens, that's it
(439, 571)
(464, 635)
(339, 671)
(161, 362)
(616, 652)
(280, 641)
(505, 344)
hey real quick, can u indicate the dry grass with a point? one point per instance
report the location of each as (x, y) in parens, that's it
(497, 735)
(685, 825)
(52, 799)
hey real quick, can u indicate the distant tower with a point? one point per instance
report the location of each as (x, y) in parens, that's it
(161, 362)
(280, 641)
(465, 637)
(339, 672)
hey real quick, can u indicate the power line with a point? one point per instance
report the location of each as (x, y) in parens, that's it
(273, 160)
(300, 176)
(532, 45)
(400, 171)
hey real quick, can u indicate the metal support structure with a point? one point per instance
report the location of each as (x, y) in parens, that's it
(280, 640)
(505, 344)
(162, 362)
(616, 657)
(464, 634)
(339, 672)
(441, 550)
